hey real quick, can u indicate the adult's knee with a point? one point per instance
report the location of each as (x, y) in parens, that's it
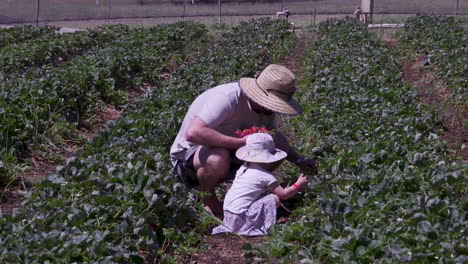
(212, 164)
(219, 159)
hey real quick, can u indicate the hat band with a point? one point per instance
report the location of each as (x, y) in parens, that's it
(266, 149)
(284, 95)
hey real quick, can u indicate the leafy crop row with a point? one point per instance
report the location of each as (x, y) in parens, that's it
(41, 105)
(19, 34)
(446, 43)
(386, 193)
(53, 49)
(118, 201)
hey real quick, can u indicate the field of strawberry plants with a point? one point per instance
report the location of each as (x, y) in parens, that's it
(118, 201)
(52, 48)
(38, 105)
(27, 33)
(386, 191)
(445, 41)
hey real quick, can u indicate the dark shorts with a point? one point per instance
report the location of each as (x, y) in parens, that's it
(188, 175)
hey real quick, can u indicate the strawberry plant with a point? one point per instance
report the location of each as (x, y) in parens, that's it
(32, 104)
(53, 49)
(444, 40)
(386, 191)
(118, 200)
(13, 35)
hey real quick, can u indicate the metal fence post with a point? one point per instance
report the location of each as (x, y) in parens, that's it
(315, 15)
(38, 4)
(457, 7)
(109, 12)
(185, 4)
(219, 4)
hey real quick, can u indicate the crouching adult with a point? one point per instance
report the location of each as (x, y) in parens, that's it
(203, 152)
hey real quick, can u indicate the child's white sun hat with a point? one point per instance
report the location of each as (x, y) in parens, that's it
(260, 148)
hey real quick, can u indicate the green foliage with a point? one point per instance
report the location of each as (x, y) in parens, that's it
(54, 49)
(118, 201)
(445, 41)
(17, 57)
(13, 35)
(386, 193)
(32, 104)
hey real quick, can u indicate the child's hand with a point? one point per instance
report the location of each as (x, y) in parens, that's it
(301, 181)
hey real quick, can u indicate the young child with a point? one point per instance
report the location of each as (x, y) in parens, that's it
(248, 208)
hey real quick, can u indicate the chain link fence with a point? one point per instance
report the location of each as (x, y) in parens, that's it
(44, 11)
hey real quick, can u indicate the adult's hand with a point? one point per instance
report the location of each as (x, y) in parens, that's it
(308, 166)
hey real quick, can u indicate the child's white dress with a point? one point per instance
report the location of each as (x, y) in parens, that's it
(248, 208)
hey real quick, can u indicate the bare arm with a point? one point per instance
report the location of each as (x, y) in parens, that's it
(288, 192)
(283, 193)
(199, 133)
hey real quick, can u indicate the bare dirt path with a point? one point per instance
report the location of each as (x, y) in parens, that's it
(227, 249)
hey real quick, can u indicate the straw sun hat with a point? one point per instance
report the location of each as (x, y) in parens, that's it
(260, 148)
(273, 90)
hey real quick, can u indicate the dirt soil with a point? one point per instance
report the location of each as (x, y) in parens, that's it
(437, 96)
(222, 249)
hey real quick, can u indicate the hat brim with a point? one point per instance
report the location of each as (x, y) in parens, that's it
(269, 100)
(244, 154)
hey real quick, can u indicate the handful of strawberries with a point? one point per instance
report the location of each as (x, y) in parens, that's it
(245, 132)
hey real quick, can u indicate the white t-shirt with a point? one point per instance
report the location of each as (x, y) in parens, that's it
(224, 108)
(247, 187)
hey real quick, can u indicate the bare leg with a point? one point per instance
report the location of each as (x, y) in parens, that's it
(211, 164)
